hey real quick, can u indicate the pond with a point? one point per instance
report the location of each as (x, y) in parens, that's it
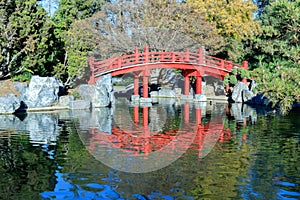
(163, 151)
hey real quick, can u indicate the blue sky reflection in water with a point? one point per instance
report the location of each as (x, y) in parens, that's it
(48, 155)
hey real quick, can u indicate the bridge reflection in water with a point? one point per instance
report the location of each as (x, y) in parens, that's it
(144, 139)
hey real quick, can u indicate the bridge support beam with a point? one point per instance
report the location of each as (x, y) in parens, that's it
(198, 83)
(186, 89)
(146, 75)
(136, 85)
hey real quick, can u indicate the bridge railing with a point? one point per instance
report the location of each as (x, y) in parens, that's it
(147, 57)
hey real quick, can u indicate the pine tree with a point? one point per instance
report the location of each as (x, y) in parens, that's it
(25, 39)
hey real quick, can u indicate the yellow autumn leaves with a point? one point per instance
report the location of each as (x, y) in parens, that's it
(234, 18)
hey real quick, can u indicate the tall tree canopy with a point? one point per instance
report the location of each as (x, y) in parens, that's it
(279, 42)
(72, 50)
(233, 18)
(72, 10)
(26, 37)
(276, 53)
(234, 21)
(161, 25)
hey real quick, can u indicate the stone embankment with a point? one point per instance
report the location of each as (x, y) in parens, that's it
(46, 93)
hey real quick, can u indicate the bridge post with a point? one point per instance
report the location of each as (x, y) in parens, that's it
(187, 55)
(186, 113)
(186, 90)
(222, 64)
(136, 85)
(136, 55)
(145, 116)
(173, 56)
(245, 64)
(198, 116)
(200, 136)
(198, 83)
(146, 54)
(146, 75)
(92, 75)
(92, 78)
(229, 65)
(119, 62)
(200, 55)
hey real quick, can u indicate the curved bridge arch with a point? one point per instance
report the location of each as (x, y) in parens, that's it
(140, 64)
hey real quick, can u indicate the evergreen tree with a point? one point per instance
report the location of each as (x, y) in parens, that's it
(279, 43)
(26, 38)
(71, 47)
(276, 53)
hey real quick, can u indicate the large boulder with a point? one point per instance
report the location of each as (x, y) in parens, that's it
(104, 92)
(19, 86)
(41, 92)
(101, 94)
(9, 104)
(237, 93)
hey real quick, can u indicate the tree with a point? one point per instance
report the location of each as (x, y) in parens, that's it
(72, 10)
(234, 20)
(72, 46)
(278, 44)
(161, 25)
(78, 41)
(276, 53)
(280, 86)
(25, 39)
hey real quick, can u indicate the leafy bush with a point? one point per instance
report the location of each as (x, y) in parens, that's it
(280, 86)
(24, 77)
(243, 73)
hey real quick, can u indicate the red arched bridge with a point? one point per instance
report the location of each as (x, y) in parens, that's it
(140, 63)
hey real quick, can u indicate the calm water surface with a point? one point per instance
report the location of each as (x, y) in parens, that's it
(166, 151)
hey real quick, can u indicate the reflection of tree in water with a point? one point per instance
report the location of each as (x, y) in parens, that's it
(276, 140)
(25, 170)
(30, 155)
(266, 154)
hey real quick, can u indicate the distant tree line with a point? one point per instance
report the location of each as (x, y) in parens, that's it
(56, 40)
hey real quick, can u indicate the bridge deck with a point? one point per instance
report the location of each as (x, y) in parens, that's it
(146, 58)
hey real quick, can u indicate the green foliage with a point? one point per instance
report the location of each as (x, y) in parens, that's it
(226, 80)
(233, 80)
(76, 95)
(243, 73)
(278, 44)
(234, 21)
(276, 53)
(235, 75)
(26, 38)
(75, 37)
(24, 77)
(70, 11)
(24, 166)
(233, 18)
(280, 86)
